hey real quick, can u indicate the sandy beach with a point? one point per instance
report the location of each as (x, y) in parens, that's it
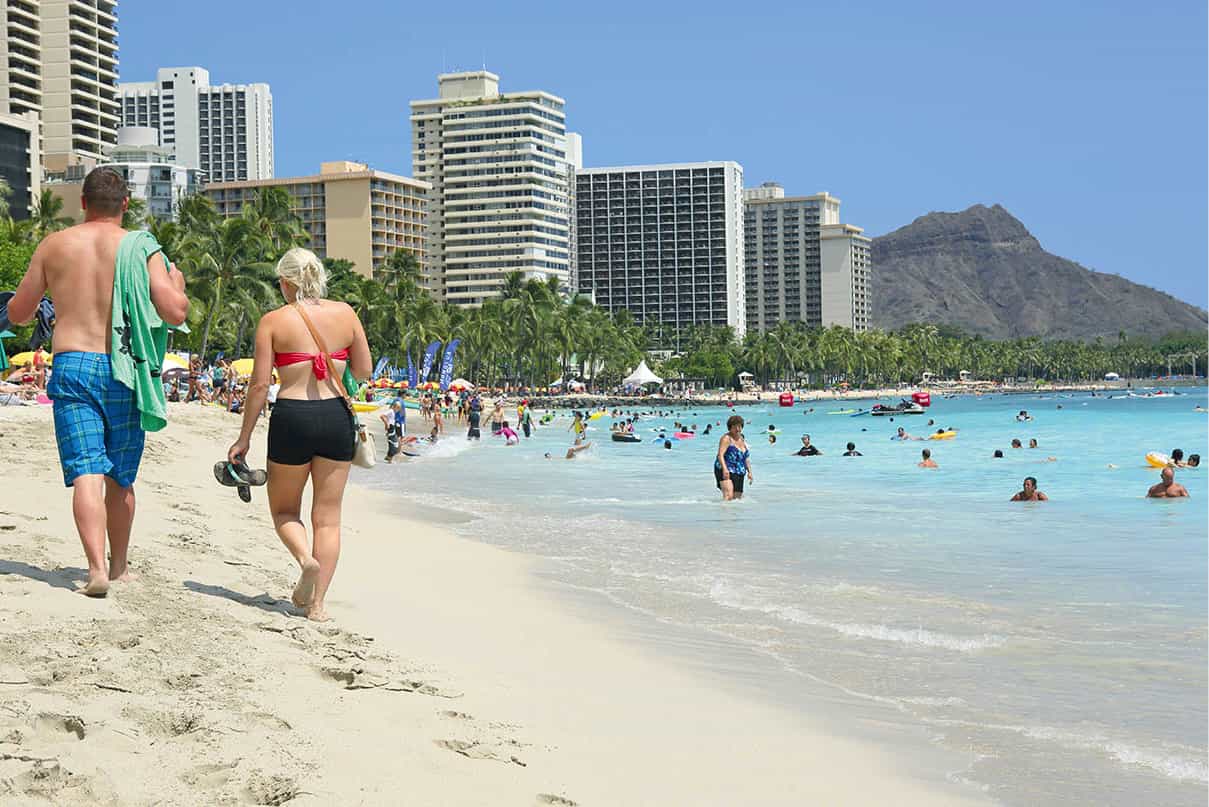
(450, 674)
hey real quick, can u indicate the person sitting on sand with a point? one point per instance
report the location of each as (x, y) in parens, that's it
(927, 461)
(98, 425)
(1168, 488)
(572, 451)
(807, 450)
(852, 452)
(1030, 492)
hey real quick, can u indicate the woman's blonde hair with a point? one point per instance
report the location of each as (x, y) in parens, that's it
(303, 270)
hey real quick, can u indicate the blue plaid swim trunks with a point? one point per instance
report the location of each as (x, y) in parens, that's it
(96, 419)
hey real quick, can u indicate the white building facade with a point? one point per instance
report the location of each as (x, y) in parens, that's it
(664, 242)
(845, 254)
(61, 63)
(501, 199)
(151, 171)
(796, 269)
(225, 130)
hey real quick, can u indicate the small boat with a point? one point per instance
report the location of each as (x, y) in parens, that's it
(900, 408)
(625, 437)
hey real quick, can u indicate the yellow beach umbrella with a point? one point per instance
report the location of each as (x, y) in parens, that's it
(172, 360)
(242, 367)
(28, 358)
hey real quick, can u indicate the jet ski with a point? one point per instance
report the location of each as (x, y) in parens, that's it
(900, 408)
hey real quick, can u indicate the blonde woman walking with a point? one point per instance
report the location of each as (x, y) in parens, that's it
(309, 341)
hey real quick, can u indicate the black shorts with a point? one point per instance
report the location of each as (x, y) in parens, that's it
(735, 479)
(302, 430)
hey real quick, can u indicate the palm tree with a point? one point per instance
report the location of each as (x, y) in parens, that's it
(6, 194)
(230, 254)
(135, 215)
(271, 213)
(48, 214)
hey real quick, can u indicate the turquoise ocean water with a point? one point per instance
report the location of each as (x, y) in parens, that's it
(1059, 648)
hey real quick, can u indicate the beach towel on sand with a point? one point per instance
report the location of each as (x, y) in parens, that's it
(138, 336)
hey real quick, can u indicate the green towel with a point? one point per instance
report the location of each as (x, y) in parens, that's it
(139, 336)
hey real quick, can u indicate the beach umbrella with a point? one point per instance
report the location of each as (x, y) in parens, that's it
(242, 367)
(460, 383)
(27, 357)
(4, 356)
(173, 362)
(174, 373)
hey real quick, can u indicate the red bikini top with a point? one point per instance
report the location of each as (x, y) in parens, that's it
(317, 360)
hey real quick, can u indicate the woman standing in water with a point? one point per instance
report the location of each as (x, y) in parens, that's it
(311, 433)
(732, 466)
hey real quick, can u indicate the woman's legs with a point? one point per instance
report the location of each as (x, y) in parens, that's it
(285, 486)
(329, 478)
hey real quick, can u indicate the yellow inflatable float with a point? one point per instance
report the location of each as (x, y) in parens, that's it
(943, 436)
(1157, 459)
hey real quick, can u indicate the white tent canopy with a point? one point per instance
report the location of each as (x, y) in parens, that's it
(641, 375)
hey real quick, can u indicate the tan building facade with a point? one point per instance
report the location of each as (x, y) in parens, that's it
(61, 62)
(351, 211)
(846, 265)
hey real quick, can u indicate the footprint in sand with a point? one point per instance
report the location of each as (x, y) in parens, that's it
(51, 725)
(559, 801)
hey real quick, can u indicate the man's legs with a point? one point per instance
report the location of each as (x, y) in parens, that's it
(88, 505)
(119, 517)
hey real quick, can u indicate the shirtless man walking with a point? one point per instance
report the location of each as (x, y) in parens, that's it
(96, 417)
(1168, 488)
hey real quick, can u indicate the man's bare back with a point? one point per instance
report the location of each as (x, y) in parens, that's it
(76, 267)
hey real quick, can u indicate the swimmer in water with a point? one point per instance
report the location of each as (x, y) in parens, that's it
(1177, 457)
(1024, 416)
(572, 451)
(1032, 443)
(852, 452)
(998, 455)
(1030, 492)
(1194, 461)
(927, 461)
(807, 450)
(1016, 444)
(902, 435)
(1168, 488)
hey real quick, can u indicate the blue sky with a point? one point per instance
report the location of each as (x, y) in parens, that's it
(1087, 121)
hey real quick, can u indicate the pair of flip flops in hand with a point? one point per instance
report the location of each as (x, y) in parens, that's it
(239, 476)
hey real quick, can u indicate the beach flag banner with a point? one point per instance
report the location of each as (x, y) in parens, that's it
(413, 378)
(430, 353)
(447, 364)
(381, 366)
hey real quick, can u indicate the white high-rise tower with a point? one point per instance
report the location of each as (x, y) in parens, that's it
(225, 130)
(501, 199)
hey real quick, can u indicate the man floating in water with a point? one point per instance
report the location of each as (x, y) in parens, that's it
(572, 451)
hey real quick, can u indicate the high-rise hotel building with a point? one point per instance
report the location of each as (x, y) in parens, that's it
(664, 242)
(802, 264)
(225, 130)
(61, 63)
(501, 197)
(350, 211)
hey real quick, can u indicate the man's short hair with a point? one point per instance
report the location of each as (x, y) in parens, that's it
(104, 191)
(1032, 479)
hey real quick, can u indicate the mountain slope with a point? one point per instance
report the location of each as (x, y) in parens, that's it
(982, 271)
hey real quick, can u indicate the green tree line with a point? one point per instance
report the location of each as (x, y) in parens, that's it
(535, 333)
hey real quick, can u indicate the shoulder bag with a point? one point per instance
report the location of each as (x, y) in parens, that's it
(363, 448)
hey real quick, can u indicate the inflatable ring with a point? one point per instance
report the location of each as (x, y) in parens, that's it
(943, 436)
(1157, 459)
(684, 435)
